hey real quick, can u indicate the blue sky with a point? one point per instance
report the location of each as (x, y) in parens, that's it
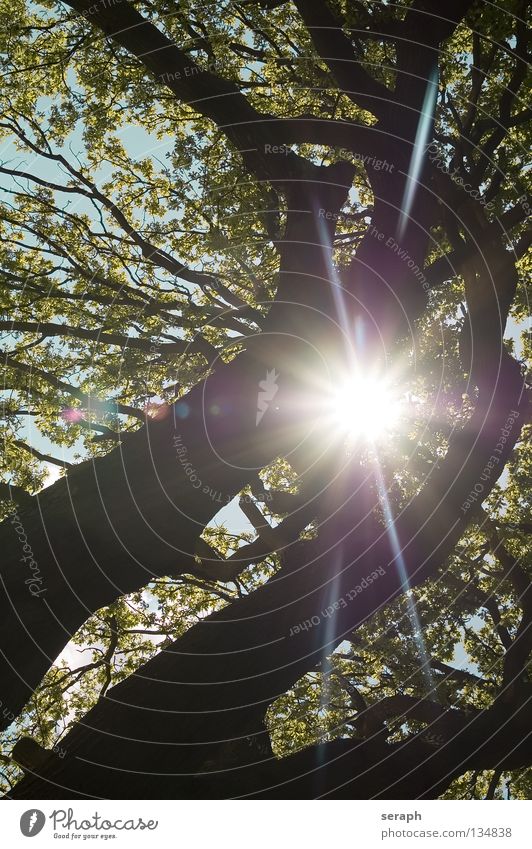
(139, 143)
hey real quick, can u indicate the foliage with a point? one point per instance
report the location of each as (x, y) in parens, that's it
(135, 245)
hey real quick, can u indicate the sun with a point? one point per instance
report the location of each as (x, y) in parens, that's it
(364, 407)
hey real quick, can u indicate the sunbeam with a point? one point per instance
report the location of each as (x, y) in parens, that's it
(364, 407)
(417, 158)
(403, 575)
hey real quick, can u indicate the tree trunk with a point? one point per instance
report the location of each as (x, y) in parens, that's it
(214, 684)
(116, 522)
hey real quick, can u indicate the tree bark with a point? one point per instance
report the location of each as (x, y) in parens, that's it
(214, 684)
(116, 522)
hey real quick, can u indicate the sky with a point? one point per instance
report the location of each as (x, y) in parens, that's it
(139, 143)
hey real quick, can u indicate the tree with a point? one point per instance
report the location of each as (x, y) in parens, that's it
(344, 181)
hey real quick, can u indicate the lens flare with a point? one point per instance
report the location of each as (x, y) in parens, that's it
(364, 407)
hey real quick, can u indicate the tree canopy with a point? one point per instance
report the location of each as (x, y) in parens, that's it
(220, 224)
